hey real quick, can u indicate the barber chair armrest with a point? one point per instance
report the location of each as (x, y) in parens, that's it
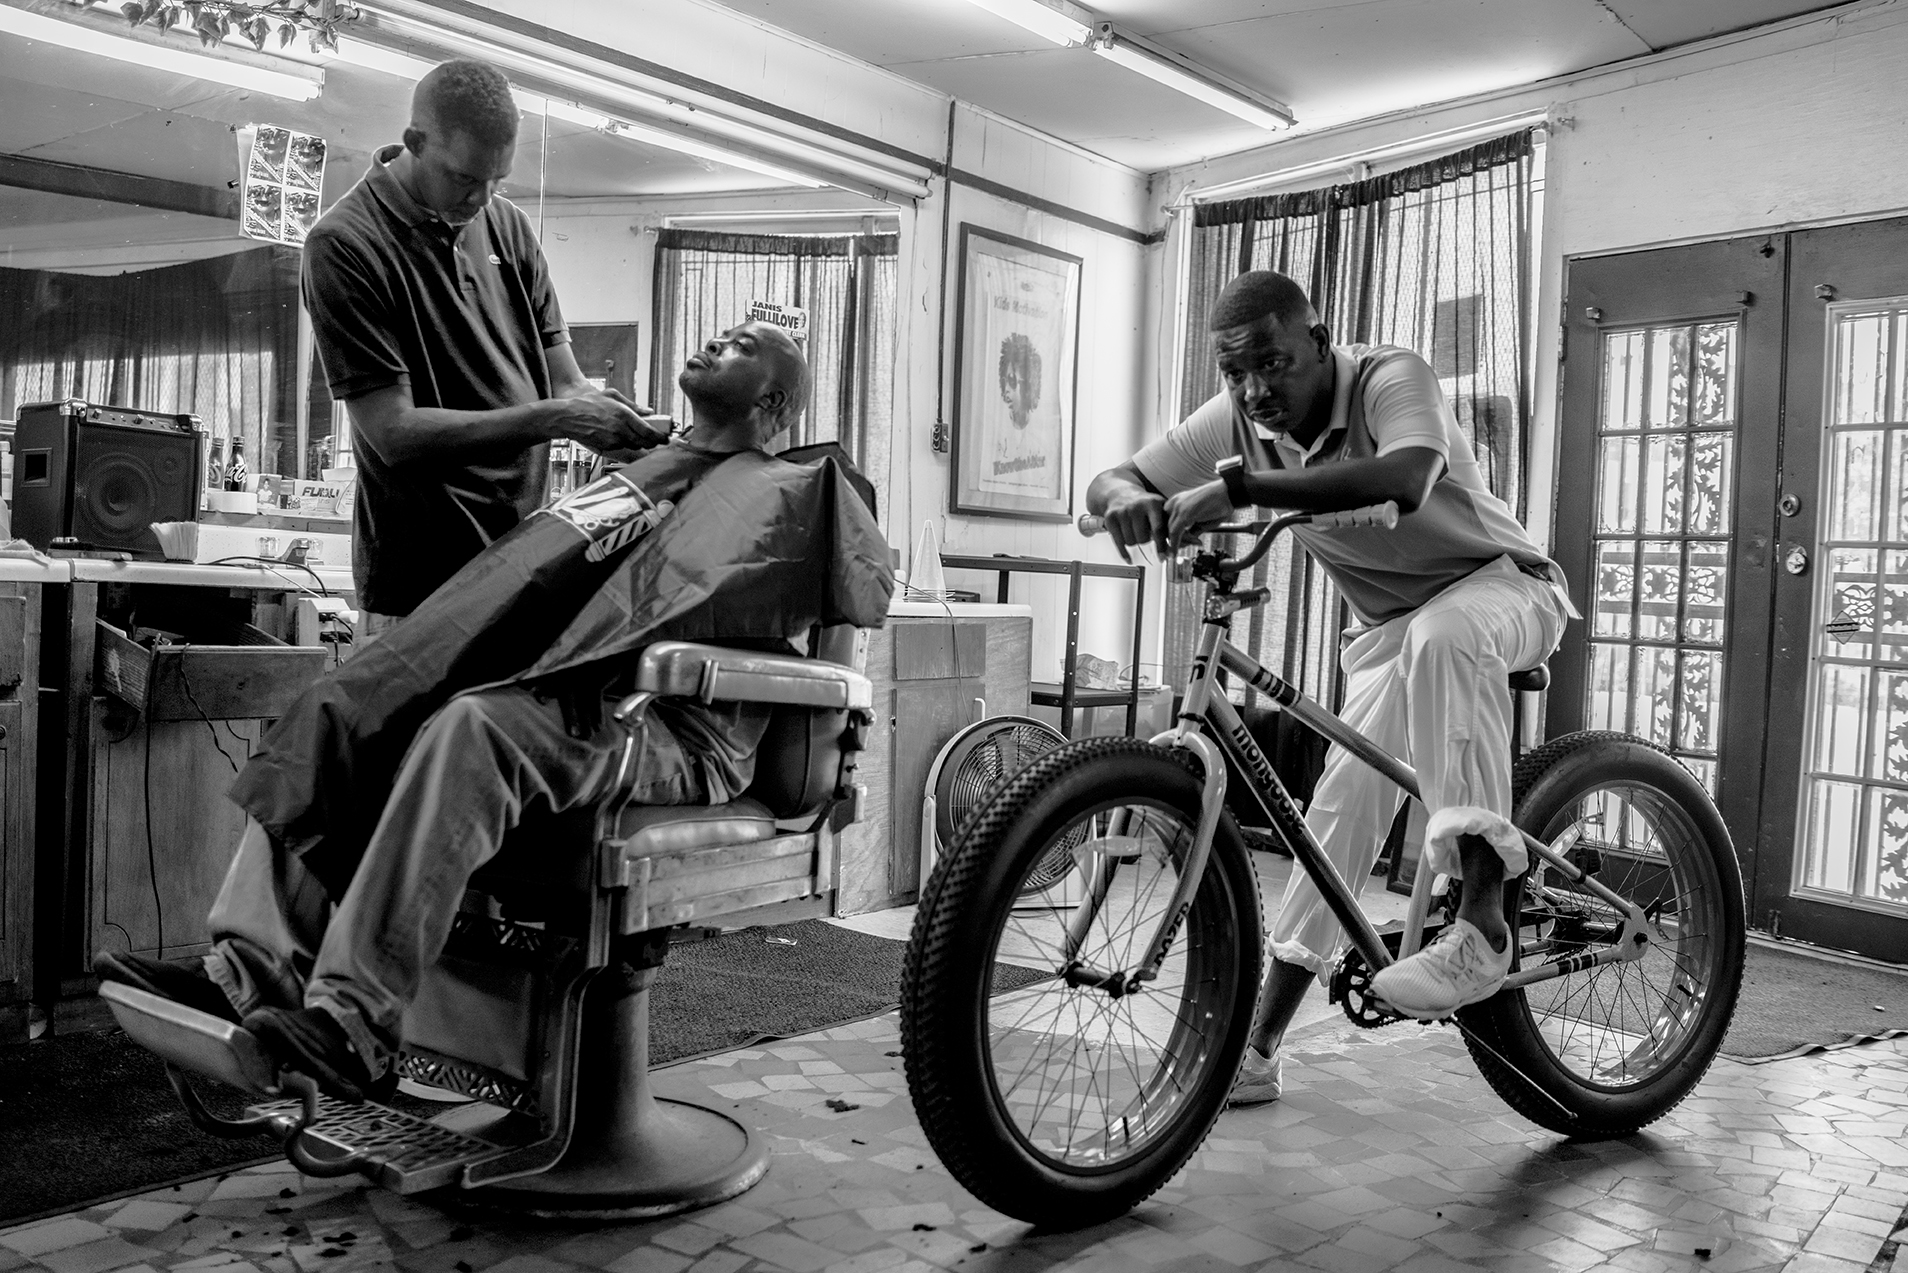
(711, 673)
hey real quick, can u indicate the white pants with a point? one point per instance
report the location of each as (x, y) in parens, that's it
(1432, 688)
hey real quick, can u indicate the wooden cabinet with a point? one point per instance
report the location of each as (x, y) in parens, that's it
(162, 830)
(928, 668)
(19, 734)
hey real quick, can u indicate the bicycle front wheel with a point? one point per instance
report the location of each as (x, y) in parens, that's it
(1066, 1101)
(1605, 1050)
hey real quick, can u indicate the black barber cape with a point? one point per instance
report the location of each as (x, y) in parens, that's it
(681, 544)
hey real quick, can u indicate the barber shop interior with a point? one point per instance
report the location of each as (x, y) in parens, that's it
(953, 636)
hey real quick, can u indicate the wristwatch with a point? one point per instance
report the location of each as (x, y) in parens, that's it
(1231, 471)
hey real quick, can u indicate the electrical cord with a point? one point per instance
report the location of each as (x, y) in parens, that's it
(152, 856)
(210, 728)
(272, 563)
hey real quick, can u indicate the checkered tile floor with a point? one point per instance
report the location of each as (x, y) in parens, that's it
(1388, 1151)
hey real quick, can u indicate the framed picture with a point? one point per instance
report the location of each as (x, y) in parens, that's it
(1016, 349)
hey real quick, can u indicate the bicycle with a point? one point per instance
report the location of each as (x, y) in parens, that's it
(1070, 1100)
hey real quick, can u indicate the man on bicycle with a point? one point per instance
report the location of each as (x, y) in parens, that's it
(1448, 605)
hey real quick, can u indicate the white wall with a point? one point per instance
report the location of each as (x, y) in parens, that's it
(1804, 122)
(1107, 402)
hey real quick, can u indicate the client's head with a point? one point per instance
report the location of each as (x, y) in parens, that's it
(1275, 357)
(750, 383)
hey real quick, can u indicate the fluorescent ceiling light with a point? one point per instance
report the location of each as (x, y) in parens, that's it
(86, 39)
(1177, 78)
(1045, 22)
(536, 104)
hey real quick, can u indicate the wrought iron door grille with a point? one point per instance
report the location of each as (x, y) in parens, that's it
(1854, 805)
(1664, 513)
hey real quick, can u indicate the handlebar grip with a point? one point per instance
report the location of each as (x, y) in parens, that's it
(1090, 525)
(1385, 515)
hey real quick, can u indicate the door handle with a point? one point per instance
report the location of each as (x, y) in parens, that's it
(1797, 562)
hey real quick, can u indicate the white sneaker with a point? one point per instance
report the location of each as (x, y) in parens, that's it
(1260, 1079)
(1457, 969)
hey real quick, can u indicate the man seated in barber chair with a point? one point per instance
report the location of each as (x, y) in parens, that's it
(399, 775)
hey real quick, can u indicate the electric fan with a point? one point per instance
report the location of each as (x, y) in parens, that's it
(972, 762)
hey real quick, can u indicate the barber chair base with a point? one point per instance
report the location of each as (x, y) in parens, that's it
(682, 1156)
(632, 1155)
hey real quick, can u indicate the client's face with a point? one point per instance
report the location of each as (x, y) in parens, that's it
(736, 370)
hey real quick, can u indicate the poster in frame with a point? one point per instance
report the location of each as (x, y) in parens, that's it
(1016, 354)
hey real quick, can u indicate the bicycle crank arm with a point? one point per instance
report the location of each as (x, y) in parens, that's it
(1212, 802)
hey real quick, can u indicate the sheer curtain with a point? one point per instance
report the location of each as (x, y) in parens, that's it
(847, 283)
(1435, 258)
(217, 338)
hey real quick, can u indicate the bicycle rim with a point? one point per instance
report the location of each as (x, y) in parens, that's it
(1085, 1079)
(1618, 1025)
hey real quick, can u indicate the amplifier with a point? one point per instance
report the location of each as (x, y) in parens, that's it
(92, 477)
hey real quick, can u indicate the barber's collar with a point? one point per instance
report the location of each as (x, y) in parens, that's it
(1346, 369)
(392, 194)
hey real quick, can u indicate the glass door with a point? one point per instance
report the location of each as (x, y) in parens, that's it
(1835, 826)
(1732, 511)
(1665, 506)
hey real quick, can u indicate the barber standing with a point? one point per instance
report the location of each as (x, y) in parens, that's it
(439, 330)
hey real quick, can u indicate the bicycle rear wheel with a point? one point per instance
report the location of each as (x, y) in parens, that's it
(1063, 1103)
(1606, 1050)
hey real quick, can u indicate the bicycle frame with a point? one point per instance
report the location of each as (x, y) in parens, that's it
(1211, 728)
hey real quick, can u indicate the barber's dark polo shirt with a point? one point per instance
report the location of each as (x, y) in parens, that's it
(463, 316)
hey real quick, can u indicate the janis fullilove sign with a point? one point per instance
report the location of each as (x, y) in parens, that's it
(1015, 354)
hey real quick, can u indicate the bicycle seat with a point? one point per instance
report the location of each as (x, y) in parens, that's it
(1530, 680)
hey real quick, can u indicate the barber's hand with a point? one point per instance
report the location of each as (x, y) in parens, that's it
(1134, 517)
(605, 422)
(1187, 511)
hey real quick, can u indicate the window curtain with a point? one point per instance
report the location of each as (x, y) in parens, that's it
(1435, 258)
(847, 283)
(217, 338)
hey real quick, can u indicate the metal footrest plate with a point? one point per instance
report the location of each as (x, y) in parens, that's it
(402, 1152)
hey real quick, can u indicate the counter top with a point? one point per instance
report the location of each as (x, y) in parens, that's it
(28, 570)
(263, 578)
(899, 609)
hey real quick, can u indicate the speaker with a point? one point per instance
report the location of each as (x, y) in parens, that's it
(98, 477)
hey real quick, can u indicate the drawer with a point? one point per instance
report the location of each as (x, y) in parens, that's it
(255, 676)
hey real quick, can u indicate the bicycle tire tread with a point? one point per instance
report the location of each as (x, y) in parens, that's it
(1512, 1086)
(936, 928)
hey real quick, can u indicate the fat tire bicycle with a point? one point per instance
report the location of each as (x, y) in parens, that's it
(1069, 1100)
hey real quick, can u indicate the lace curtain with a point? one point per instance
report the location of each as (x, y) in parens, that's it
(217, 338)
(847, 283)
(1434, 258)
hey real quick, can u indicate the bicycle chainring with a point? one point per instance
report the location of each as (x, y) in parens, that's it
(1351, 986)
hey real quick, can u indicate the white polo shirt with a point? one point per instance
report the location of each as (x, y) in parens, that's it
(1384, 399)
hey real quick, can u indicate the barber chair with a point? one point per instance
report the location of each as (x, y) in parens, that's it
(539, 1007)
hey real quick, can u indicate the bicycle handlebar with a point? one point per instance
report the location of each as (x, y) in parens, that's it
(1385, 515)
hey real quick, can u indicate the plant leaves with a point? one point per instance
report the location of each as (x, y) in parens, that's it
(285, 34)
(168, 18)
(134, 11)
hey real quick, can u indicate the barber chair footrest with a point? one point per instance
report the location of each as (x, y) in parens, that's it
(402, 1152)
(681, 1156)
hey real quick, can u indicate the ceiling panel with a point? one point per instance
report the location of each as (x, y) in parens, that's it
(1330, 60)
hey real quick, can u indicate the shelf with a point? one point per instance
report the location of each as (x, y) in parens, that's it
(1050, 694)
(1058, 694)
